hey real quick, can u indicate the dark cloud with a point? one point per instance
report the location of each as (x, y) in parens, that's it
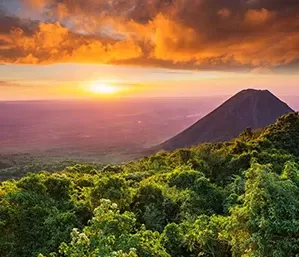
(7, 23)
(272, 4)
(186, 34)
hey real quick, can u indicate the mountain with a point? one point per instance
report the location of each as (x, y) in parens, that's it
(248, 108)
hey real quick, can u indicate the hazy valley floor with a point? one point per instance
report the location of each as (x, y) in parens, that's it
(92, 130)
(41, 134)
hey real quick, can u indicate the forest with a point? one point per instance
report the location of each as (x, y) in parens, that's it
(238, 198)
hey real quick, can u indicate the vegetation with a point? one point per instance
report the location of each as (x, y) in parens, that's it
(238, 198)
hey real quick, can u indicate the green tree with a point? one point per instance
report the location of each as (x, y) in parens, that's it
(110, 234)
(36, 216)
(111, 187)
(267, 223)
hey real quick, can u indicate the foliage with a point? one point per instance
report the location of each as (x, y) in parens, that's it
(233, 199)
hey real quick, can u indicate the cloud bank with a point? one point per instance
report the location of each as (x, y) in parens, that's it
(185, 34)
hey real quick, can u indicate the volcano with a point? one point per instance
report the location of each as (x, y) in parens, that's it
(247, 109)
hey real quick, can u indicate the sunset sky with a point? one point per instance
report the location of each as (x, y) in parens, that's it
(57, 49)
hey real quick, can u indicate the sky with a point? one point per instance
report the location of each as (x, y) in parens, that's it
(64, 49)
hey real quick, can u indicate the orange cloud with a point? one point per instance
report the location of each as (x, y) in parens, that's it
(224, 13)
(172, 41)
(54, 43)
(259, 17)
(197, 34)
(36, 3)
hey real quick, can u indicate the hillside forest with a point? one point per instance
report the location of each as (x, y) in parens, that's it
(238, 198)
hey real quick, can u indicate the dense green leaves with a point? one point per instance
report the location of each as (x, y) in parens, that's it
(37, 215)
(234, 199)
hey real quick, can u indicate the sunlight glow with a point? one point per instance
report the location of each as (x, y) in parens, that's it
(102, 88)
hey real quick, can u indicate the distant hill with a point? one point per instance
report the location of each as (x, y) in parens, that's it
(248, 108)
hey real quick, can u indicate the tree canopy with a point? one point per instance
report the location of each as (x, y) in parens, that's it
(232, 199)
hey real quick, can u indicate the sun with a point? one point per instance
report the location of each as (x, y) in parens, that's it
(104, 89)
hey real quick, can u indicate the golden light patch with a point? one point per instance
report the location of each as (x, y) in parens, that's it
(103, 89)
